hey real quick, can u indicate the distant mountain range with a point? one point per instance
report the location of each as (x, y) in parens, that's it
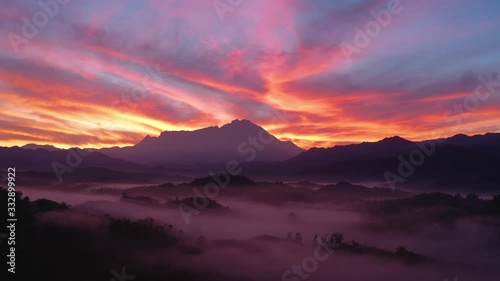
(238, 140)
(36, 146)
(457, 161)
(42, 159)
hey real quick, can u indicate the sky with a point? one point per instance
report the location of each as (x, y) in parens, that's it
(319, 73)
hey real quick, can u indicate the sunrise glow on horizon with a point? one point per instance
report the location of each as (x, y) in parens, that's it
(109, 73)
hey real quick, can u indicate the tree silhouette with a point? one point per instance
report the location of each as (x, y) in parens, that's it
(472, 196)
(337, 238)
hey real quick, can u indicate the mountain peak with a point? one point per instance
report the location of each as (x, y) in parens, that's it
(395, 139)
(460, 136)
(241, 127)
(242, 122)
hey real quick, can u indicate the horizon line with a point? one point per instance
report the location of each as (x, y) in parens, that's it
(57, 146)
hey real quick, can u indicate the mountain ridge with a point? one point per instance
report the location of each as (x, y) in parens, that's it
(459, 160)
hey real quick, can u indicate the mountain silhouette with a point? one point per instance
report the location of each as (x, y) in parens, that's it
(459, 162)
(388, 147)
(240, 140)
(37, 146)
(41, 159)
